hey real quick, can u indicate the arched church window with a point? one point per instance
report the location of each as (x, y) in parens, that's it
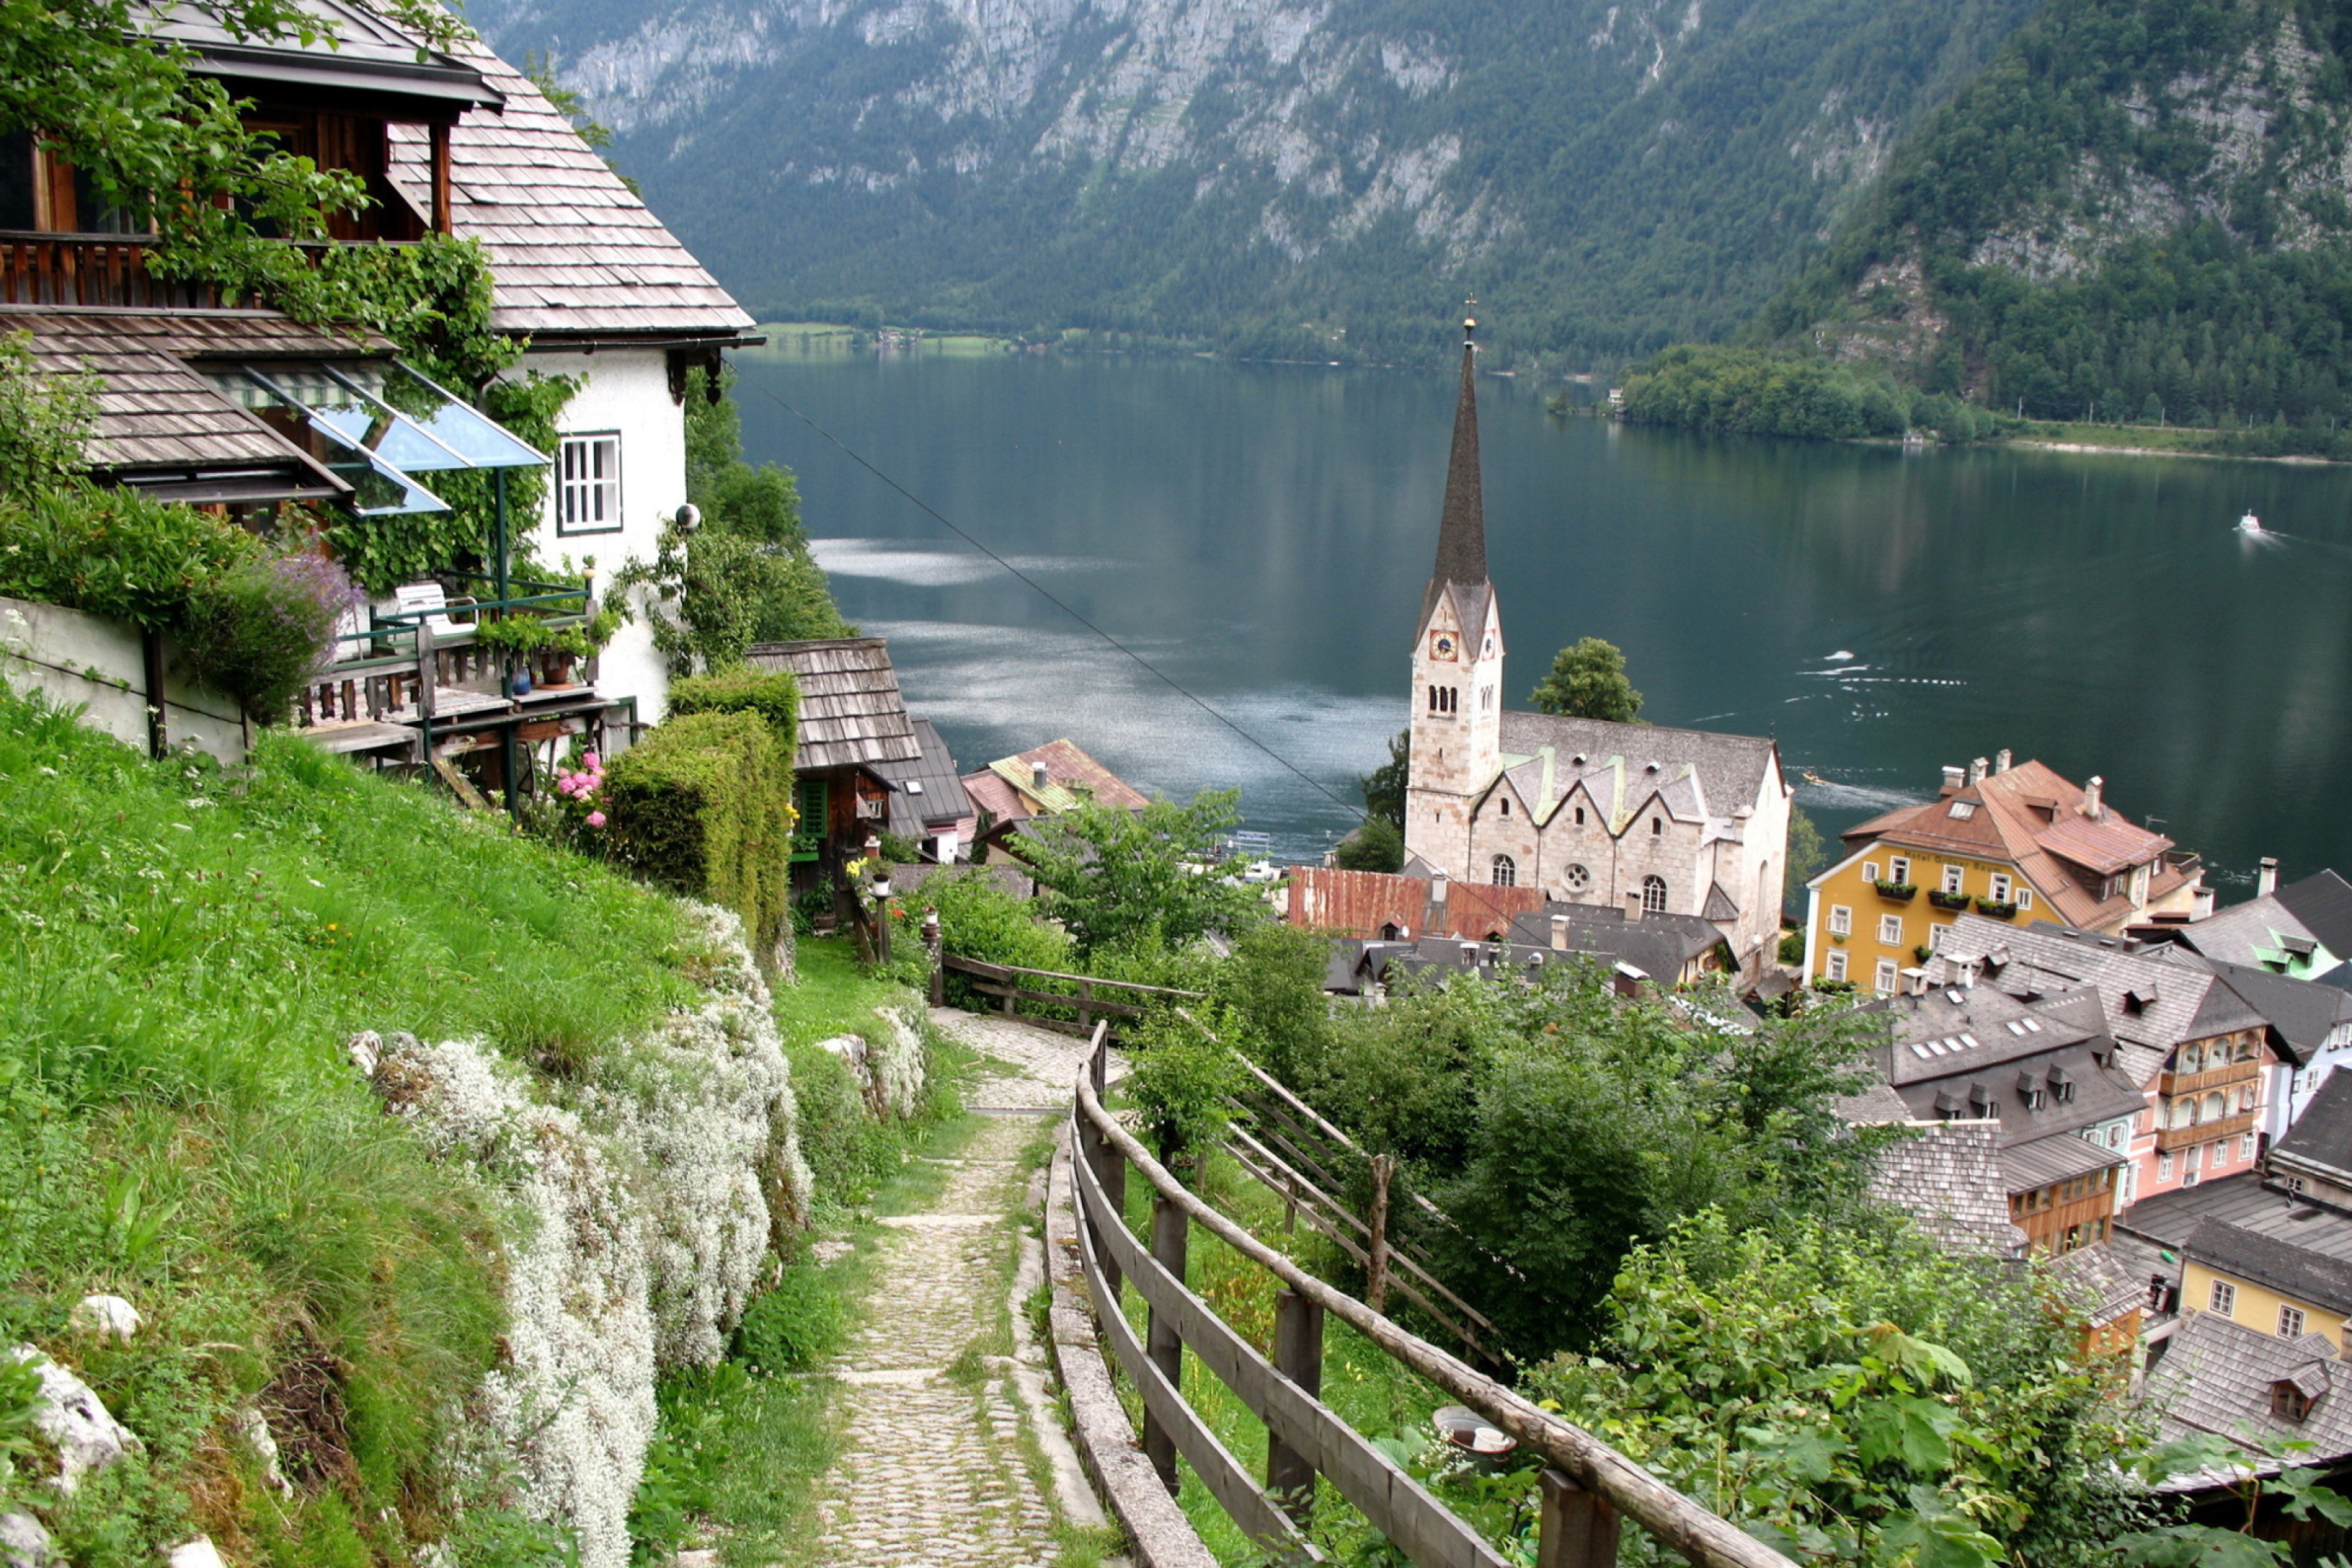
(1654, 895)
(1579, 879)
(1507, 871)
(1658, 827)
(1507, 805)
(1580, 816)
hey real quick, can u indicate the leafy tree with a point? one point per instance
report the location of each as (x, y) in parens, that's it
(1121, 879)
(1588, 681)
(1384, 786)
(1852, 1394)
(1807, 854)
(1184, 1080)
(1377, 844)
(1271, 994)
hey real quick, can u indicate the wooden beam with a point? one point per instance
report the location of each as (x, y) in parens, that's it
(444, 201)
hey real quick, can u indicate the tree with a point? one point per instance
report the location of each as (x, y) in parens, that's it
(1807, 854)
(1588, 681)
(1163, 875)
(1385, 785)
(1377, 844)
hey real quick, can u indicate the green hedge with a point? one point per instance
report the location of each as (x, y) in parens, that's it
(776, 698)
(703, 805)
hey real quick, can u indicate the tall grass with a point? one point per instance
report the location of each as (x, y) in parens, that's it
(183, 951)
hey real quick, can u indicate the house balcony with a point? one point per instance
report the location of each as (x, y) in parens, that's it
(93, 270)
(2172, 1139)
(2172, 1083)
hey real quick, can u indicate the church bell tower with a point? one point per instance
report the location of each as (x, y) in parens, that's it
(1457, 657)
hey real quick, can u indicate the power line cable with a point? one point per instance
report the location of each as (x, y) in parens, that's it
(1047, 595)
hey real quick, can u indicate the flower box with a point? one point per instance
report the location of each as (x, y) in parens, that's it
(1899, 893)
(1955, 901)
(1998, 910)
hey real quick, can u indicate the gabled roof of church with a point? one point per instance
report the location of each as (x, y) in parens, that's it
(1700, 773)
(1460, 567)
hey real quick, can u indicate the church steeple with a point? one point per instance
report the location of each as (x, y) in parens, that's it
(1462, 526)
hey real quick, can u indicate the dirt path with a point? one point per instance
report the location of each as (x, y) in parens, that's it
(943, 1466)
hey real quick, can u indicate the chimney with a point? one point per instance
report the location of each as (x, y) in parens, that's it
(1977, 771)
(2001, 763)
(1469, 955)
(1437, 888)
(2095, 805)
(1633, 908)
(2266, 876)
(1919, 986)
(1037, 775)
(1559, 933)
(1952, 778)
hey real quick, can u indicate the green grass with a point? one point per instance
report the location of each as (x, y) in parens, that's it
(183, 953)
(2174, 438)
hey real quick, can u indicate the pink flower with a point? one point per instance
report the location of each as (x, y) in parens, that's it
(593, 763)
(596, 819)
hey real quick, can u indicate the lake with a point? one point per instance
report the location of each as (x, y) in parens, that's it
(1261, 535)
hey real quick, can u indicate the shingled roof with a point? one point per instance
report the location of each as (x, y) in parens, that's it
(574, 252)
(1698, 774)
(1948, 1176)
(850, 711)
(159, 416)
(2218, 1375)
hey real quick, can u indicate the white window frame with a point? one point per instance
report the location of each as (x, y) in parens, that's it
(1870, 870)
(579, 496)
(1886, 980)
(2222, 1298)
(1936, 935)
(1956, 880)
(2197, 1158)
(1841, 921)
(2164, 1167)
(1898, 869)
(1890, 930)
(2000, 888)
(2246, 1146)
(2025, 899)
(2291, 1323)
(1834, 966)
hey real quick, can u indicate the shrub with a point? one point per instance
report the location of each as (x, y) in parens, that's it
(114, 553)
(265, 629)
(775, 698)
(1377, 845)
(703, 805)
(979, 920)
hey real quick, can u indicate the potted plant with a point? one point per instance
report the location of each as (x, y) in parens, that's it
(1997, 909)
(1944, 901)
(1900, 892)
(562, 648)
(516, 638)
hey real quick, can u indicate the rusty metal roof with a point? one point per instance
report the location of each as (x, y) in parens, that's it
(851, 712)
(573, 251)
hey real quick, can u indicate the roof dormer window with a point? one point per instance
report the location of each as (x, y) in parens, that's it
(1963, 810)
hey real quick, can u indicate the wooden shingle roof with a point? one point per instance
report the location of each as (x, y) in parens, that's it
(157, 409)
(852, 713)
(573, 251)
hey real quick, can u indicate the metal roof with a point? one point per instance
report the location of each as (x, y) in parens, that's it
(574, 252)
(2057, 1158)
(925, 790)
(851, 712)
(2246, 1201)
(2321, 1138)
(358, 51)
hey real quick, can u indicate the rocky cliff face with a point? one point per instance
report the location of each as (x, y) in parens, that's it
(1323, 176)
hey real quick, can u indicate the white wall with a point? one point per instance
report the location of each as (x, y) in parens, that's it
(81, 660)
(628, 390)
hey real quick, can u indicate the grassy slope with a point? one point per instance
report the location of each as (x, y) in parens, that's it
(185, 953)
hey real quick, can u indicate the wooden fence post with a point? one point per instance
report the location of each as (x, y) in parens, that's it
(936, 946)
(1169, 1233)
(1110, 1165)
(151, 660)
(1298, 1356)
(1376, 1256)
(1577, 1529)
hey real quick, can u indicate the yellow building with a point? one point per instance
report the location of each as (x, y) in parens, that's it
(2239, 1292)
(2014, 843)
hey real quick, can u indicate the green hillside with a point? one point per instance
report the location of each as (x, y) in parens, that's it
(2136, 212)
(1606, 177)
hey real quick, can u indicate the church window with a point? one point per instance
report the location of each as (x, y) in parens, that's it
(1507, 805)
(1580, 816)
(1486, 699)
(1654, 895)
(1658, 827)
(1507, 871)
(1579, 879)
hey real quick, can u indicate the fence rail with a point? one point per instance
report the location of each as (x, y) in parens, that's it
(1004, 981)
(1587, 1487)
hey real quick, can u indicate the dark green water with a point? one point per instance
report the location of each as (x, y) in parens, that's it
(1263, 534)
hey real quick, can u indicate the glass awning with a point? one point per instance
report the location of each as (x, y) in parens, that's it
(380, 422)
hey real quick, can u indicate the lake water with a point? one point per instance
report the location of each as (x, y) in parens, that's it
(1262, 533)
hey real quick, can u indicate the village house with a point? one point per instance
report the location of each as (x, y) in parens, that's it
(1683, 821)
(2011, 843)
(1044, 781)
(853, 728)
(2207, 1061)
(2303, 931)
(929, 806)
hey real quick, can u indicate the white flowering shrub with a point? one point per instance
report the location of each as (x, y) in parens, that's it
(639, 1203)
(897, 1059)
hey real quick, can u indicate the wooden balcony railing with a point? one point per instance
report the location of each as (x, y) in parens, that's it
(92, 269)
(2170, 1139)
(2173, 1083)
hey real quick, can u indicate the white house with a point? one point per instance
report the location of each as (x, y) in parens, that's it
(1669, 821)
(598, 288)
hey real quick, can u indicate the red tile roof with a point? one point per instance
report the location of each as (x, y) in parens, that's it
(1360, 903)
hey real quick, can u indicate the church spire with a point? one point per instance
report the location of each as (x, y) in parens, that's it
(1462, 527)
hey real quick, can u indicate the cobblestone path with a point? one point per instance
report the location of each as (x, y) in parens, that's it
(935, 1473)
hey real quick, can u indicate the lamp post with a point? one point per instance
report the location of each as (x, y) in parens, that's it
(878, 887)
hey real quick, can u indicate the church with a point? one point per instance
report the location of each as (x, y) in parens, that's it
(1643, 819)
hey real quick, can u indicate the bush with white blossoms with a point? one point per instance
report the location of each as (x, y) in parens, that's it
(638, 1211)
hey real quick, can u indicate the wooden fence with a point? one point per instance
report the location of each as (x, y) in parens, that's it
(1004, 981)
(1587, 1488)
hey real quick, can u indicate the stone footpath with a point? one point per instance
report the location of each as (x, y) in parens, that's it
(935, 1473)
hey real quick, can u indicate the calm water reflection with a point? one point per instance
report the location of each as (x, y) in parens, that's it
(1263, 532)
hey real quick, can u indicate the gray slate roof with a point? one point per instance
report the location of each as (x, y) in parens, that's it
(1728, 770)
(2323, 903)
(2218, 1376)
(1949, 1178)
(2302, 1012)
(936, 797)
(2321, 1138)
(2249, 933)
(2245, 1202)
(156, 409)
(2272, 1260)
(851, 712)
(1658, 945)
(2099, 1281)
(574, 252)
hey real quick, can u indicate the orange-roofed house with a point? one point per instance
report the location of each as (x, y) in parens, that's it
(2015, 843)
(1044, 781)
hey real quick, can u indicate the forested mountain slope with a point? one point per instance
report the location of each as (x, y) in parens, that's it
(2138, 208)
(1319, 177)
